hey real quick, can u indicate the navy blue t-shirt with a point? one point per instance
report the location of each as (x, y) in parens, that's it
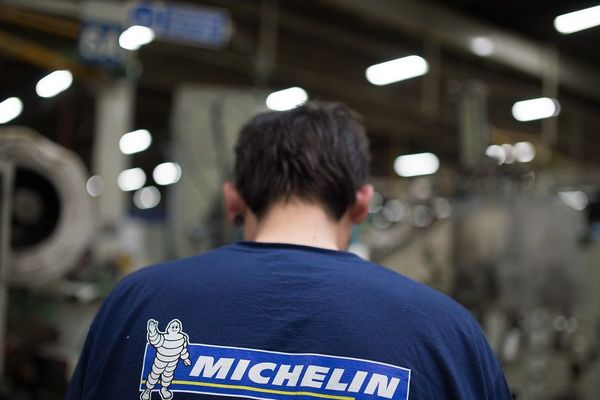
(280, 321)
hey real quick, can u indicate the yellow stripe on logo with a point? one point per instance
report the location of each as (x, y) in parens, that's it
(255, 389)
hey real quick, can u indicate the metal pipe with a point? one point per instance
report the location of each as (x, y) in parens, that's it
(6, 179)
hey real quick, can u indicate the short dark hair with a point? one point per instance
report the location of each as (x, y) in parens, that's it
(318, 152)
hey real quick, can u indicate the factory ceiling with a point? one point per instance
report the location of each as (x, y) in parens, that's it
(533, 19)
(325, 46)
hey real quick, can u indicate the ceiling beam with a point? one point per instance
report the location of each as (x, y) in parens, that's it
(55, 25)
(41, 56)
(68, 8)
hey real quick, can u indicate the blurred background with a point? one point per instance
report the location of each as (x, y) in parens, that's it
(117, 121)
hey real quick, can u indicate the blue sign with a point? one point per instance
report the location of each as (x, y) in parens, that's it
(99, 43)
(178, 366)
(202, 26)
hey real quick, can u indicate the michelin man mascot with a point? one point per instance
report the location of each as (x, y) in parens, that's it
(171, 345)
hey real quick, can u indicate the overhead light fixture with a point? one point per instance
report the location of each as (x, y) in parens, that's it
(54, 83)
(135, 37)
(10, 109)
(442, 208)
(496, 152)
(482, 46)
(135, 141)
(286, 99)
(524, 152)
(131, 179)
(578, 20)
(166, 173)
(380, 221)
(397, 70)
(376, 202)
(422, 216)
(576, 199)
(394, 210)
(530, 110)
(148, 197)
(416, 164)
(509, 151)
(95, 186)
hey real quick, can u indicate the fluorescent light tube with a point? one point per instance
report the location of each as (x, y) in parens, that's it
(416, 164)
(530, 110)
(578, 20)
(397, 70)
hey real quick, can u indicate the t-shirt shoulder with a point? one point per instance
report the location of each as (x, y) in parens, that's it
(417, 296)
(169, 267)
(388, 285)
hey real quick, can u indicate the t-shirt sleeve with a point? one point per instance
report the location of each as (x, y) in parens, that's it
(500, 389)
(496, 386)
(491, 374)
(85, 376)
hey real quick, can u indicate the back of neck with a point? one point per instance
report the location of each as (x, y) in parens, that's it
(301, 223)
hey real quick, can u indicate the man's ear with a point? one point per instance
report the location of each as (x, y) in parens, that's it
(360, 209)
(235, 206)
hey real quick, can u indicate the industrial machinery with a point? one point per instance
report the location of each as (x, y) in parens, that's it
(51, 221)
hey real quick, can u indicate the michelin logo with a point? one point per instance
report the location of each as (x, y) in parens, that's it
(170, 346)
(259, 374)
